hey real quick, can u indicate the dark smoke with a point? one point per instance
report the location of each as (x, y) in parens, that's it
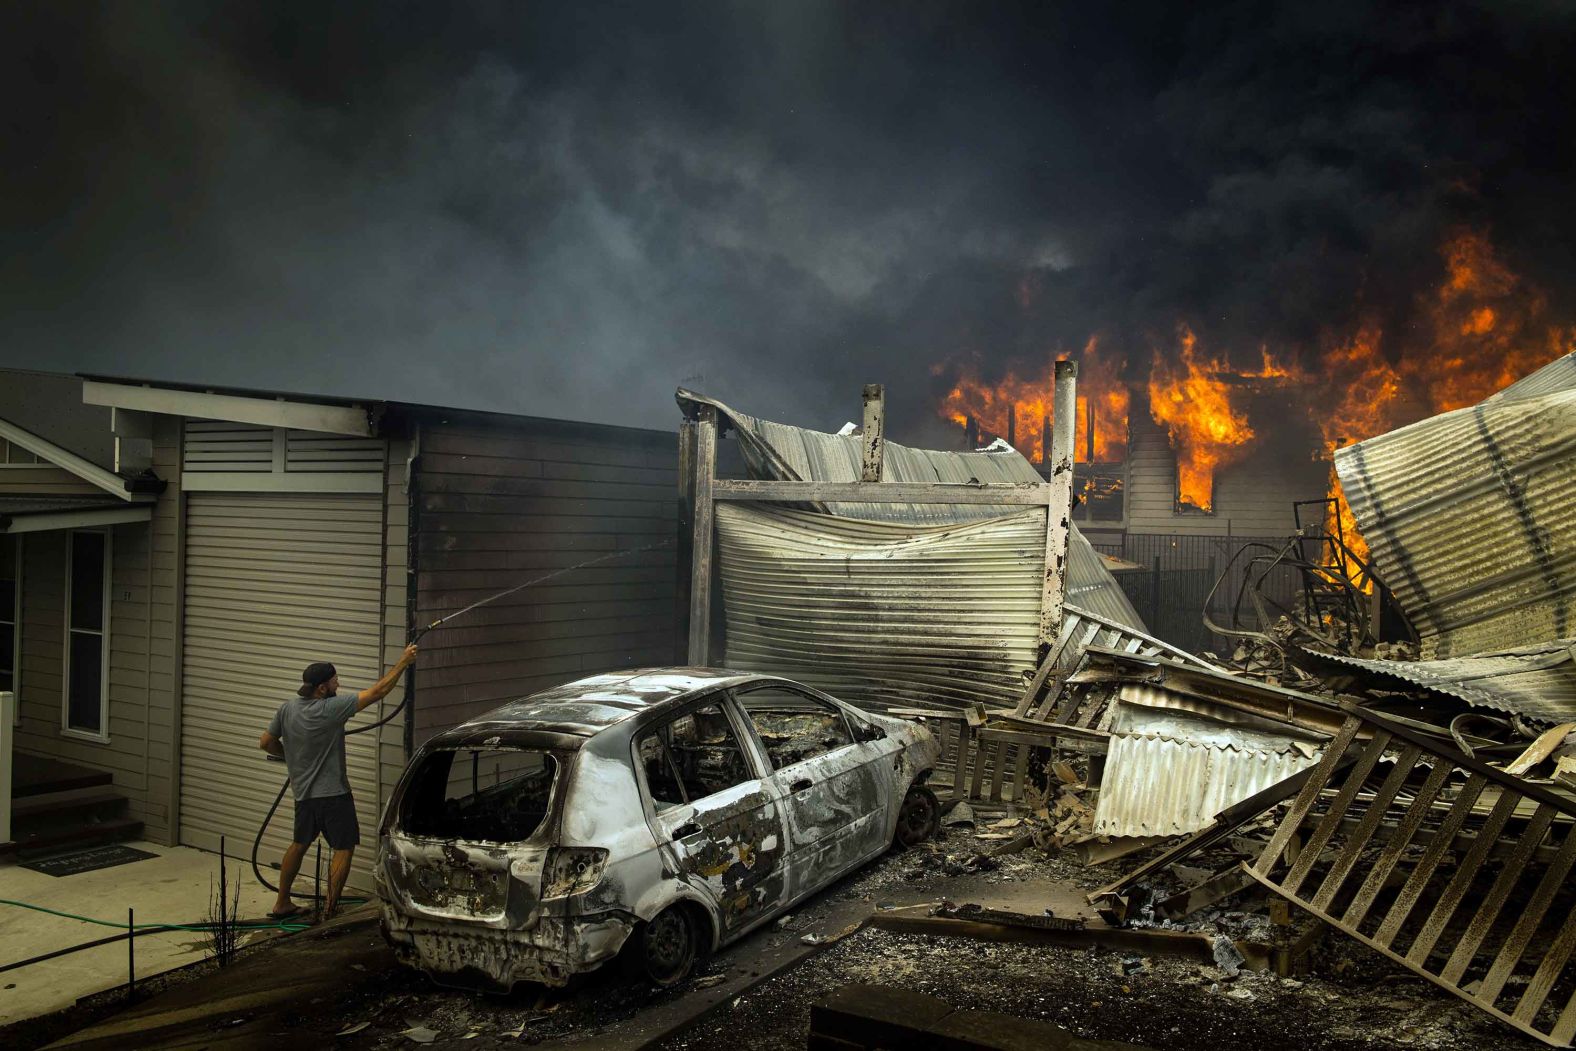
(569, 209)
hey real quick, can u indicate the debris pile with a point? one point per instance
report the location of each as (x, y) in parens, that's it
(1394, 762)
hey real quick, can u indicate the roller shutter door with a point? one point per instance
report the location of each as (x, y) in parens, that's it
(273, 583)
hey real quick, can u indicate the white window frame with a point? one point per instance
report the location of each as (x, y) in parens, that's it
(66, 729)
(16, 631)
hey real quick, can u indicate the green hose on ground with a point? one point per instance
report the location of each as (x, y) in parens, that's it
(196, 927)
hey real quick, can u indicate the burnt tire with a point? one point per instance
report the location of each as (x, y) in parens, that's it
(918, 817)
(667, 946)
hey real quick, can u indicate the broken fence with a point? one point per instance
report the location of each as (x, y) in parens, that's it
(1449, 867)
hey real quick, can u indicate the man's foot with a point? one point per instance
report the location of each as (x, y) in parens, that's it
(293, 912)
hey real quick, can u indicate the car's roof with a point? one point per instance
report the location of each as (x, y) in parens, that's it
(586, 707)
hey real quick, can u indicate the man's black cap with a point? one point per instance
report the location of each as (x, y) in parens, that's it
(317, 674)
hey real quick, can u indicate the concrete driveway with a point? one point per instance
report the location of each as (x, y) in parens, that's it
(173, 887)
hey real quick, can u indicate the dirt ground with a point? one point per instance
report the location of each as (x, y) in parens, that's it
(1352, 998)
(765, 986)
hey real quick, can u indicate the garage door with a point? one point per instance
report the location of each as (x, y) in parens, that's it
(273, 583)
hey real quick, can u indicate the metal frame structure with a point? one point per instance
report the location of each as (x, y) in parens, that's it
(702, 489)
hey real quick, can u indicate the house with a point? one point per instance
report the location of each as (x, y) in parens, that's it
(1132, 509)
(172, 556)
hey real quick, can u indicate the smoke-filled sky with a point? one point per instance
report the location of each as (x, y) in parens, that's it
(568, 209)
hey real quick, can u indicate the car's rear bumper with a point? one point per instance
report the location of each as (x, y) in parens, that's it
(473, 957)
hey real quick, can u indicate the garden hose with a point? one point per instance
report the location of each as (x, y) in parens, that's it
(257, 843)
(197, 927)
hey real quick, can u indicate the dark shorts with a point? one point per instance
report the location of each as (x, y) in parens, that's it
(333, 816)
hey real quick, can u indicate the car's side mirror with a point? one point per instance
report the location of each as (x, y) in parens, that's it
(869, 732)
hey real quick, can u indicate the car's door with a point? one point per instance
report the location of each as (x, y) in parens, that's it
(830, 780)
(711, 808)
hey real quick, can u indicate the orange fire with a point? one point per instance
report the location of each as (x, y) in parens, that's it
(1483, 329)
(1191, 396)
(1026, 400)
(1480, 329)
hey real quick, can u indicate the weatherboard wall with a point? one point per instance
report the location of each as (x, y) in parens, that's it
(142, 651)
(1253, 497)
(43, 480)
(504, 500)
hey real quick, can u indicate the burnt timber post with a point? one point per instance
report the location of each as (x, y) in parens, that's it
(874, 432)
(700, 550)
(1059, 512)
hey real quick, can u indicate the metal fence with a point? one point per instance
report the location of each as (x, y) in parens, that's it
(1179, 571)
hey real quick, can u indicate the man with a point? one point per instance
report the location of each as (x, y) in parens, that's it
(309, 734)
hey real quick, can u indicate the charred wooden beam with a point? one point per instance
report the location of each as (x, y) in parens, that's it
(700, 550)
(1058, 518)
(873, 432)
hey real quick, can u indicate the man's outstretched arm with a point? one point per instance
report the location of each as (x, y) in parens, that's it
(366, 698)
(270, 744)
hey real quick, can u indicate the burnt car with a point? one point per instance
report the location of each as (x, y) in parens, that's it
(658, 813)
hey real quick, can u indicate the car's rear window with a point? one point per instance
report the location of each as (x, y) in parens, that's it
(493, 794)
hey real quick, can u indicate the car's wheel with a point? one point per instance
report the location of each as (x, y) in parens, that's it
(919, 816)
(668, 946)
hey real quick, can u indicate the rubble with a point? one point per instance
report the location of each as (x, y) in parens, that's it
(1322, 778)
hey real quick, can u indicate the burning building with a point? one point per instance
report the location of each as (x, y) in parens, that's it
(1189, 452)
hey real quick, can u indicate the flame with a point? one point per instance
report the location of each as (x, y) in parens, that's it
(1191, 396)
(1339, 522)
(1025, 399)
(1481, 328)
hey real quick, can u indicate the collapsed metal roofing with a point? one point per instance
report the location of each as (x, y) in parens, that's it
(1168, 773)
(1470, 516)
(888, 613)
(1557, 375)
(784, 452)
(1535, 681)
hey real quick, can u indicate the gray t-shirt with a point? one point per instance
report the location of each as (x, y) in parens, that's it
(313, 733)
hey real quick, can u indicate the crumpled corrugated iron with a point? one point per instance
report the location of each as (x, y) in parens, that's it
(1470, 516)
(1535, 681)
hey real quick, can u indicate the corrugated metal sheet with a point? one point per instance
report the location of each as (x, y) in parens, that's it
(1557, 375)
(273, 583)
(1471, 517)
(1535, 681)
(880, 612)
(780, 451)
(1168, 775)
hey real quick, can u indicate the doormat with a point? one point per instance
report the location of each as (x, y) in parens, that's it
(75, 861)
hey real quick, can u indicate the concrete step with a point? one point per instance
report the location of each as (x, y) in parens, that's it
(106, 802)
(36, 775)
(87, 834)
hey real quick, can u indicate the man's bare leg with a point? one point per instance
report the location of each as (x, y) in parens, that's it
(289, 865)
(338, 872)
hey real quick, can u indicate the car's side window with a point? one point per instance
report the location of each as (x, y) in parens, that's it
(691, 757)
(795, 726)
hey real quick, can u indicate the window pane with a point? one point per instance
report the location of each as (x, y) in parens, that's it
(7, 654)
(498, 795)
(694, 756)
(7, 565)
(87, 581)
(87, 677)
(793, 726)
